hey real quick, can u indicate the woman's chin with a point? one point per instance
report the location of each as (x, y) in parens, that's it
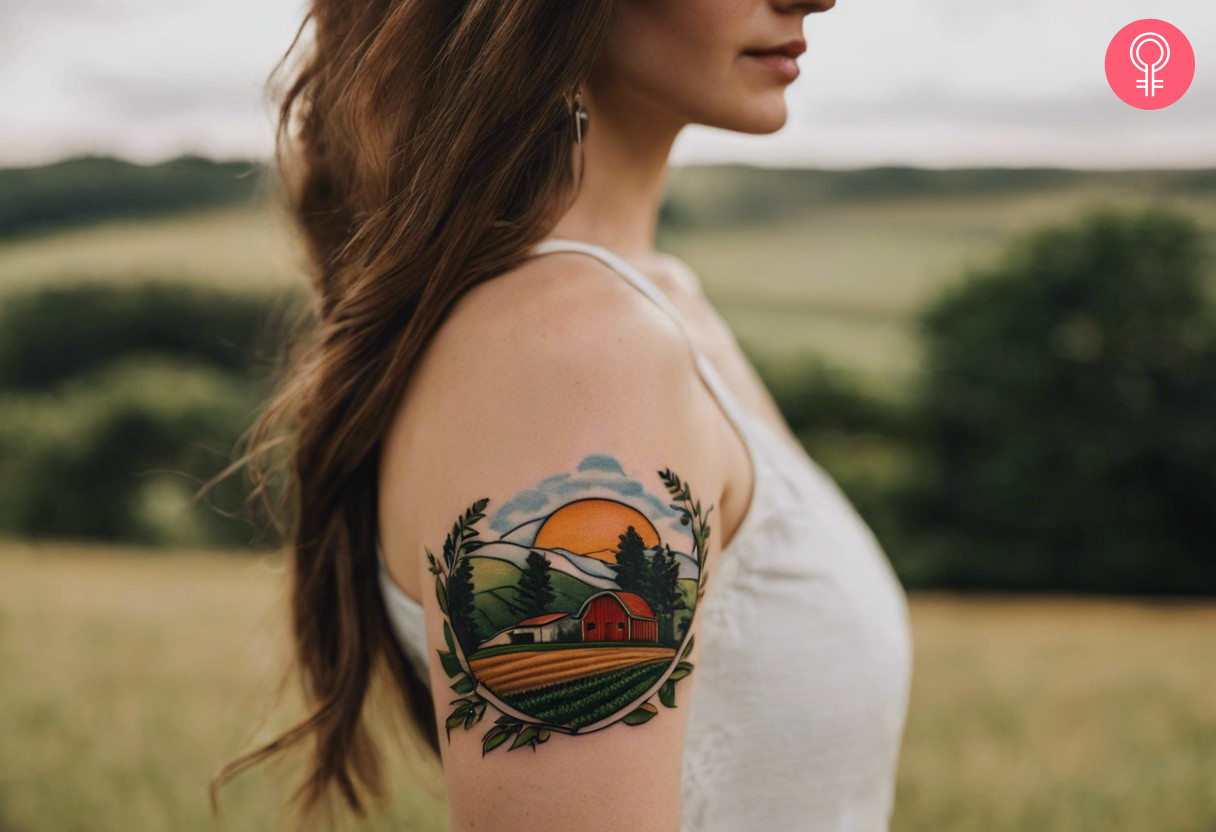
(765, 114)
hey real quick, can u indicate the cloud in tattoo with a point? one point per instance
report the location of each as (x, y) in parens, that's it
(595, 471)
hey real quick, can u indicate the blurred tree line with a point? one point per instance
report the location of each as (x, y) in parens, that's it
(89, 188)
(84, 189)
(1061, 434)
(118, 402)
(700, 197)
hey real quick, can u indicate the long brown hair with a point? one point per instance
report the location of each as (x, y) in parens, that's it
(422, 146)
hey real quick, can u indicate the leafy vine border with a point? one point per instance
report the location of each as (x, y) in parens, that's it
(470, 707)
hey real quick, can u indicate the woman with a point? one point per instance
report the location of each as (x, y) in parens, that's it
(532, 474)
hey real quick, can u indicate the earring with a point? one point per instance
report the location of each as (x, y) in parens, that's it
(581, 118)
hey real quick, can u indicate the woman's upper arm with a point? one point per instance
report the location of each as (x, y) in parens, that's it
(565, 501)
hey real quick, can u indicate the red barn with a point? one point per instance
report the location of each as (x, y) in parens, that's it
(613, 615)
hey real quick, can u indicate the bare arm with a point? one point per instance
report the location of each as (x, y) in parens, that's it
(566, 505)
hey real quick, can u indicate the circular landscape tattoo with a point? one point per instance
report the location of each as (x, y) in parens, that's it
(579, 613)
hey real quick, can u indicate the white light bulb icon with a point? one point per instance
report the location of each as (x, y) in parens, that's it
(1151, 83)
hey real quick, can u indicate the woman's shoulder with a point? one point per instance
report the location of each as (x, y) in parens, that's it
(556, 310)
(560, 343)
(555, 358)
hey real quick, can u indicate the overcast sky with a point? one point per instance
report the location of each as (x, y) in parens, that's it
(941, 83)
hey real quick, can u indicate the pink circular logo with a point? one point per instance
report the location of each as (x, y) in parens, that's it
(1149, 64)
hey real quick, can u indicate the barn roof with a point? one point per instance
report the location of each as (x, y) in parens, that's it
(540, 619)
(635, 603)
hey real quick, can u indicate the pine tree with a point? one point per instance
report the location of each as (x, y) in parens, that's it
(663, 580)
(631, 563)
(535, 589)
(460, 605)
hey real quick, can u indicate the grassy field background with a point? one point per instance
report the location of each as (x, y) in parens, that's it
(127, 677)
(839, 280)
(130, 676)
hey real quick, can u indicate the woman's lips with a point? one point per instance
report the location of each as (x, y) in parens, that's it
(779, 63)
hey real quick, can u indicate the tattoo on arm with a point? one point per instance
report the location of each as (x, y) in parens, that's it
(580, 611)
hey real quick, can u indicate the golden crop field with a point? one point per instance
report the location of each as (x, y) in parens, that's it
(524, 670)
(129, 676)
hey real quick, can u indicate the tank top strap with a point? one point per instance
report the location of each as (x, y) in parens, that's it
(717, 385)
(406, 616)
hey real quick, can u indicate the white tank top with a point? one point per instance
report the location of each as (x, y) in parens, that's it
(804, 648)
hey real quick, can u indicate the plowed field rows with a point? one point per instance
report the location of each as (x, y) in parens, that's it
(514, 672)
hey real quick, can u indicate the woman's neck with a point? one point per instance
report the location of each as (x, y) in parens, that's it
(625, 152)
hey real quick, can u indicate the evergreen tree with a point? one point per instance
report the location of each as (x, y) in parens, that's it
(460, 605)
(631, 566)
(665, 596)
(535, 589)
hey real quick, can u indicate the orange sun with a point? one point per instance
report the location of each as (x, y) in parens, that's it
(593, 527)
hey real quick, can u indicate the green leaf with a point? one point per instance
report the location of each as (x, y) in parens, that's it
(451, 664)
(640, 714)
(682, 670)
(542, 735)
(525, 737)
(688, 647)
(667, 693)
(447, 636)
(441, 593)
(464, 685)
(494, 738)
(454, 720)
(470, 717)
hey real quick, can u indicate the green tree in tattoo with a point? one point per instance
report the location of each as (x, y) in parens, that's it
(535, 590)
(460, 605)
(665, 598)
(630, 567)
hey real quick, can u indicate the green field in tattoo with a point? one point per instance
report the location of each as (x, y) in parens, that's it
(589, 699)
(579, 612)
